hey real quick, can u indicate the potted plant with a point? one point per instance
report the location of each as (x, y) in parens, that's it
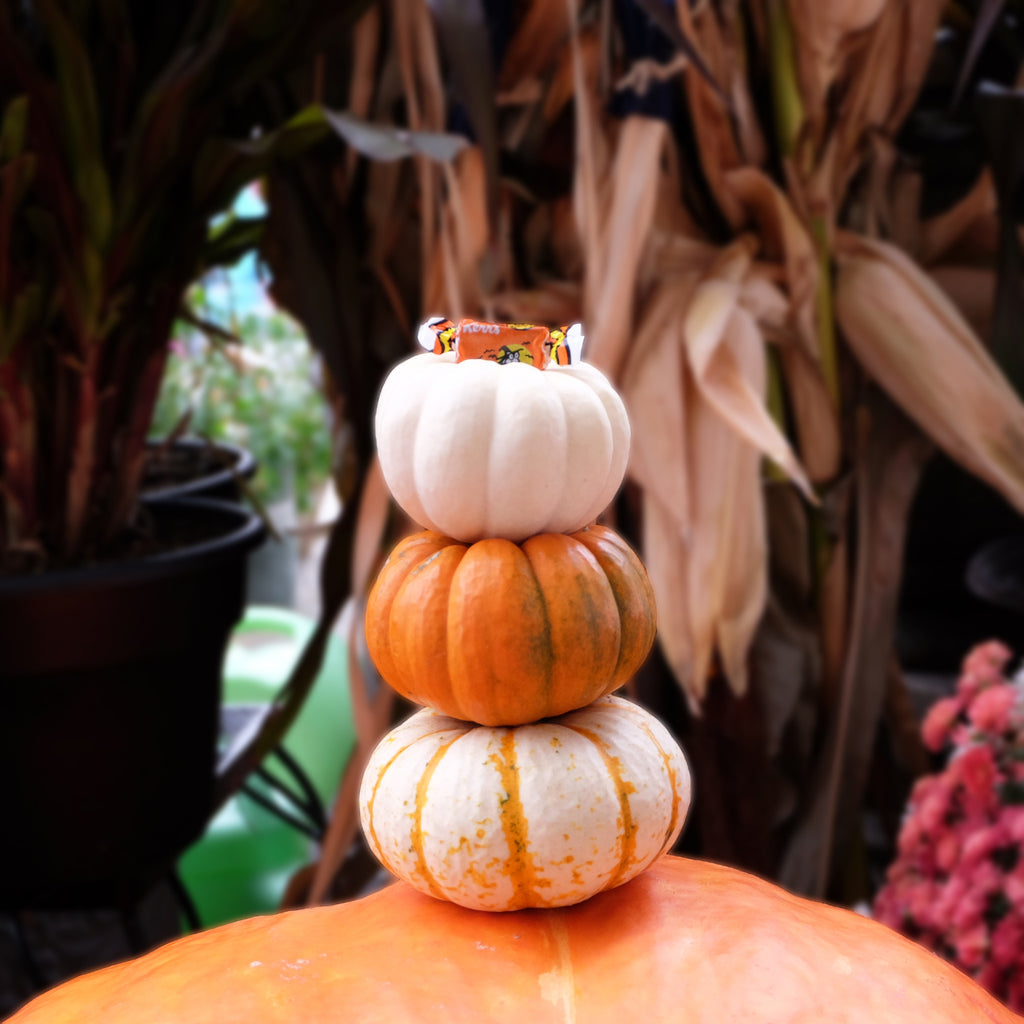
(124, 128)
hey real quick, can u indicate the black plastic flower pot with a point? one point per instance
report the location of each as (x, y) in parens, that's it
(190, 467)
(110, 683)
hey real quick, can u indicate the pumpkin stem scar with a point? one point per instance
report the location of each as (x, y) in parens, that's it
(520, 868)
(558, 986)
(623, 789)
(417, 825)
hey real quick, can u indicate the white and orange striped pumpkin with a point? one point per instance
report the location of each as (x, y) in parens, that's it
(541, 815)
(477, 449)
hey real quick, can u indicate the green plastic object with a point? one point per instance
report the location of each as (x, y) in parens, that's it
(241, 865)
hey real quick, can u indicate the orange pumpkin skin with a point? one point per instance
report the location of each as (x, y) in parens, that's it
(686, 942)
(505, 634)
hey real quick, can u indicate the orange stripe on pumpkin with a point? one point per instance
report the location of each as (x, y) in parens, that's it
(384, 769)
(422, 788)
(520, 868)
(627, 826)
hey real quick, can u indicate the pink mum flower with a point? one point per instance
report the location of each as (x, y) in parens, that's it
(939, 722)
(1008, 941)
(957, 883)
(1013, 821)
(990, 710)
(982, 842)
(976, 768)
(986, 661)
(971, 946)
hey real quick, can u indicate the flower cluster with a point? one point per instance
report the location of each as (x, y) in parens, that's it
(957, 883)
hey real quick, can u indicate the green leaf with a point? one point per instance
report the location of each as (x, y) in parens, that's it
(81, 122)
(213, 332)
(383, 142)
(26, 310)
(12, 130)
(232, 239)
(226, 166)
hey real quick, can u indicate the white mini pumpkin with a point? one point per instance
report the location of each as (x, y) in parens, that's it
(541, 815)
(477, 449)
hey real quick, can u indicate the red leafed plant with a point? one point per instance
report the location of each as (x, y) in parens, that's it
(957, 883)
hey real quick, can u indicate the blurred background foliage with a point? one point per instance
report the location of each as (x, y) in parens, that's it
(256, 384)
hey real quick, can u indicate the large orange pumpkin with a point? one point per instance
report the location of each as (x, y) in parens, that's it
(503, 634)
(686, 942)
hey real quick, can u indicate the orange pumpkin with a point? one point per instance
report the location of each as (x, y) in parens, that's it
(686, 942)
(504, 634)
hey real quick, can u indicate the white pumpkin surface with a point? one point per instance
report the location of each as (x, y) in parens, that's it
(540, 815)
(477, 449)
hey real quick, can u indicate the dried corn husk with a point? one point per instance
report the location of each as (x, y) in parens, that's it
(694, 385)
(615, 245)
(910, 337)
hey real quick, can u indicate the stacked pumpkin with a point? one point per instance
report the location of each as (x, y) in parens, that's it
(523, 782)
(484, 799)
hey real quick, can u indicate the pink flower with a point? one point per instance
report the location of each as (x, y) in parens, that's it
(987, 660)
(1014, 889)
(968, 914)
(939, 722)
(1008, 941)
(957, 883)
(972, 945)
(947, 851)
(931, 812)
(990, 710)
(975, 767)
(1013, 994)
(981, 842)
(1013, 821)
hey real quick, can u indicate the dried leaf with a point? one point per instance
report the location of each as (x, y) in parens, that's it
(743, 556)
(666, 557)
(890, 457)
(462, 26)
(653, 390)
(717, 143)
(714, 329)
(626, 217)
(943, 233)
(466, 221)
(972, 290)
(538, 39)
(823, 31)
(911, 338)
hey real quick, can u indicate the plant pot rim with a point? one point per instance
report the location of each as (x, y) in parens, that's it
(243, 467)
(233, 528)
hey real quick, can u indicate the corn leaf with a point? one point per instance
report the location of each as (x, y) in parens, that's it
(715, 328)
(466, 44)
(911, 339)
(625, 221)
